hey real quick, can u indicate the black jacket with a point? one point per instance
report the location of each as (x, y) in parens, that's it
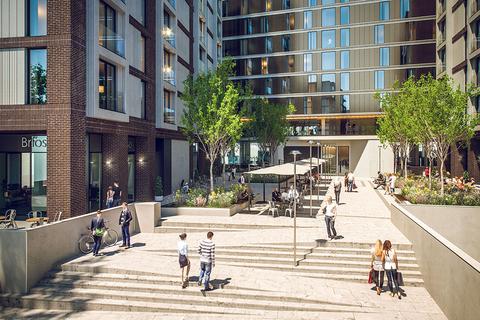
(97, 224)
(127, 216)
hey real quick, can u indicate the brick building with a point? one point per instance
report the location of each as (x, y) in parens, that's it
(89, 94)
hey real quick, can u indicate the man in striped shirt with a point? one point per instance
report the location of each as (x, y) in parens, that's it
(206, 249)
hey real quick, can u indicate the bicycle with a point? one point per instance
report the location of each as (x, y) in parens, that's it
(86, 242)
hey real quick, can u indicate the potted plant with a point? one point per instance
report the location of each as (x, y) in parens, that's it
(158, 189)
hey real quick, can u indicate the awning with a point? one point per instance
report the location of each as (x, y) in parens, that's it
(287, 169)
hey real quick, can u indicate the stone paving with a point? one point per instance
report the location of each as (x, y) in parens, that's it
(362, 217)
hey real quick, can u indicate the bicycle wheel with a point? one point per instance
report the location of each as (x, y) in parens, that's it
(85, 244)
(110, 238)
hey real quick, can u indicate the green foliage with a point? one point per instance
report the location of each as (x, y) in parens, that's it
(158, 186)
(212, 116)
(38, 84)
(221, 200)
(269, 124)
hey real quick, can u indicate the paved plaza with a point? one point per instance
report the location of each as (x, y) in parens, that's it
(362, 218)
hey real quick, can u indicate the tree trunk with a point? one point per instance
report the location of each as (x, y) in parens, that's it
(430, 174)
(441, 176)
(211, 175)
(406, 166)
(223, 173)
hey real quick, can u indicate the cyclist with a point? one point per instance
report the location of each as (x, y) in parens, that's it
(97, 226)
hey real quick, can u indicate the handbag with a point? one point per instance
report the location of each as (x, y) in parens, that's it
(400, 279)
(99, 232)
(370, 276)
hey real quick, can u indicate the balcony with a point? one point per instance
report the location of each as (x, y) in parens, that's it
(441, 67)
(169, 115)
(337, 130)
(440, 38)
(168, 36)
(169, 75)
(474, 44)
(111, 40)
(441, 7)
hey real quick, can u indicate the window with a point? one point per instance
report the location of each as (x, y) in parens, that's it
(249, 67)
(384, 57)
(344, 38)
(268, 45)
(312, 78)
(345, 103)
(37, 21)
(380, 34)
(307, 62)
(107, 32)
(345, 81)
(249, 26)
(379, 80)
(307, 20)
(168, 71)
(312, 40)
(264, 65)
(328, 17)
(285, 85)
(286, 43)
(404, 9)
(107, 87)
(286, 4)
(37, 76)
(344, 59)
(265, 25)
(312, 3)
(268, 86)
(384, 10)
(344, 15)
(168, 107)
(328, 60)
(143, 113)
(290, 21)
(328, 39)
(268, 5)
(328, 82)
(326, 2)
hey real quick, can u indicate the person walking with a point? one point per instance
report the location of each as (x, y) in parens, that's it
(206, 249)
(242, 179)
(351, 181)
(109, 197)
(182, 247)
(117, 194)
(330, 210)
(387, 183)
(97, 226)
(377, 265)
(393, 178)
(390, 265)
(234, 170)
(337, 187)
(124, 222)
(345, 181)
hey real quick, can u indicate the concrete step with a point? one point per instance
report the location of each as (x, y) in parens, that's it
(192, 290)
(325, 270)
(357, 251)
(242, 252)
(174, 302)
(330, 246)
(168, 229)
(356, 245)
(182, 224)
(303, 260)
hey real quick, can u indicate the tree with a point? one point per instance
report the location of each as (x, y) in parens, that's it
(269, 125)
(212, 116)
(397, 127)
(441, 111)
(38, 84)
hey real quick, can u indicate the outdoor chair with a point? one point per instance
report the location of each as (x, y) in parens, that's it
(8, 221)
(36, 218)
(272, 208)
(57, 216)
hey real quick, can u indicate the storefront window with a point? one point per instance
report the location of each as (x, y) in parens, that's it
(39, 181)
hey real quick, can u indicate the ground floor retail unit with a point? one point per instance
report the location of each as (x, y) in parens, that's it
(27, 169)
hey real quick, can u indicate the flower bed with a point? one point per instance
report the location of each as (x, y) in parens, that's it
(218, 198)
(417, 191)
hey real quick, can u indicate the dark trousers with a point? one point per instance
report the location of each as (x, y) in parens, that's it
(116, 202)
(337, 196)
(378, 278)
(392, 280)
(350, 186)
(330, 222)
(205, 270)
(126, 235)
(97, 244)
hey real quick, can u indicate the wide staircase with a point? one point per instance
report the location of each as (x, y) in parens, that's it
(84, 286)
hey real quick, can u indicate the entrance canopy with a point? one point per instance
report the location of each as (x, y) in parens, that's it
(287, 169)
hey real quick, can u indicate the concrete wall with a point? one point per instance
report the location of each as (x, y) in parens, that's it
(26, 255)
(460, 225)
(366, 158)
(451, 276)
(180, 163)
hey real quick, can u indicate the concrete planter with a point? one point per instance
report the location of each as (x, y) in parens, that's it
(195, 211)
(158, 198)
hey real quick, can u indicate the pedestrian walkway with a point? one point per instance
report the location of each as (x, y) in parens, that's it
(254, 274)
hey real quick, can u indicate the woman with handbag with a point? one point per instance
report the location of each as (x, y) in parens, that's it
(390, 265)
(97, 226)
(377, 265)
(183, 258)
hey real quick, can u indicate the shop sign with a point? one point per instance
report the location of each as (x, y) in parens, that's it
(23, 143)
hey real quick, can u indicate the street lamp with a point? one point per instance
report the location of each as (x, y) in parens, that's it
(310, 142)
(295, 153)
(318, 170)
(380, 158)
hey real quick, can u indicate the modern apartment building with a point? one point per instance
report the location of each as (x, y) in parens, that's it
(89, 95)
(328, 58)
(458, 55)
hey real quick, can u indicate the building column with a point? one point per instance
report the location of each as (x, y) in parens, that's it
(145, 168)
(115, 162)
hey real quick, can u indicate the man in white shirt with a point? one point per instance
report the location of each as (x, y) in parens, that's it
(206, 249)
